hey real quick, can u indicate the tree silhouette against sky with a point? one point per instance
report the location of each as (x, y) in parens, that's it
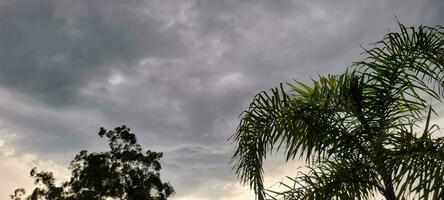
(357, 131)
(124, 172)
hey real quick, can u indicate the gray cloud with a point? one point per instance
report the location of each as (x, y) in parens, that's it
(178, 73)
(51, 49)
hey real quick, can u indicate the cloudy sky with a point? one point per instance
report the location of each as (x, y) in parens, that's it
(178, 73)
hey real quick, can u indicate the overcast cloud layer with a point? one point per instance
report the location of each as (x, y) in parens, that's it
(177, 72)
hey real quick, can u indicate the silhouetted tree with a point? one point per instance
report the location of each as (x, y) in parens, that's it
(355, 130)
(124, 172)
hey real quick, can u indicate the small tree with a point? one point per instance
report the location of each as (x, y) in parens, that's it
(124, 172)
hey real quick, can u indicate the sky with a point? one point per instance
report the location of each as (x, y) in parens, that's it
(178, 73)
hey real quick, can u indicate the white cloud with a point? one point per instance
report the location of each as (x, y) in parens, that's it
(15, 168)
(116, 79)
(233, 80)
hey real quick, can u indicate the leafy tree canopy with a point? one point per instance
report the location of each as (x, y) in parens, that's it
(355, 130)
(124, 172)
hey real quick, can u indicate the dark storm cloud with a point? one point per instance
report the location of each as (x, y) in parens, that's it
(51, 49)
(178, 73)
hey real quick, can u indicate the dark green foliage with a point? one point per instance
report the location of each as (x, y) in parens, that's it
(125, 172)
(355, 130)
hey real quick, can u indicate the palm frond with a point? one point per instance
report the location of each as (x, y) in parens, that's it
(364, 114)
(314, 121)
(336, 180)
(418, 163)
(403, 71)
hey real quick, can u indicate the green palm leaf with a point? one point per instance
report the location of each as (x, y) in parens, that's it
(363, 118)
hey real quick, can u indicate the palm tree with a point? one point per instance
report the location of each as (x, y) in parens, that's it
(358, 131)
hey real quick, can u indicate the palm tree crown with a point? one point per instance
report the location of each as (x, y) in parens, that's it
(356, 130)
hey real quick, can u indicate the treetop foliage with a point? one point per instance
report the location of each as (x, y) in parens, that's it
(124, 172)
